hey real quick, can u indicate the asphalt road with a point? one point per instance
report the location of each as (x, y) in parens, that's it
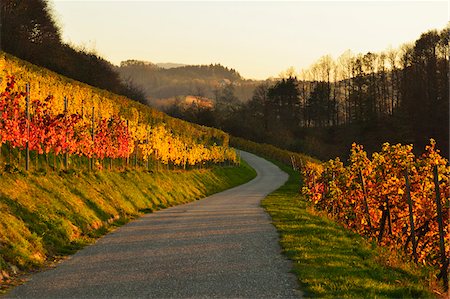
(223, 246)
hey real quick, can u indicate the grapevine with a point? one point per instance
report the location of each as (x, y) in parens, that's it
(116, 128)
(338, 190)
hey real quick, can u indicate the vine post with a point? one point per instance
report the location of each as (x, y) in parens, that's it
(385, 216)
(136, 154)
(27, 108)
(91, 164)
(444, 260)
(366, 205)
(128, 156)
(293, 163)
(411, 216)
(66, 154)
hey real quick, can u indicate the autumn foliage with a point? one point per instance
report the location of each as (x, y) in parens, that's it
(380, 209)
(97, 124)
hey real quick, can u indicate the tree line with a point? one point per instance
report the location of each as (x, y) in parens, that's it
(203, 81)
(398, 95)
(158, 82)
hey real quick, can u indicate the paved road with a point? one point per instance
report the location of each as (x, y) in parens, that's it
(220, 247)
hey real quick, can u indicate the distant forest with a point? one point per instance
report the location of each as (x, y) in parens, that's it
(395, 96)
(197, 80)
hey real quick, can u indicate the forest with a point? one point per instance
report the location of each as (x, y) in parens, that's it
(204, 81)
(398, 95)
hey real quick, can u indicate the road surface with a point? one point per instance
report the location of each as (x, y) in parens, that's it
(223, 246)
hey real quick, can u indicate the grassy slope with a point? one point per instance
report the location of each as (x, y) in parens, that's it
(331, 261)
(47, 215)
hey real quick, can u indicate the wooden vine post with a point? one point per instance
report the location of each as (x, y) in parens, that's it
(66, 154)
(411, 217)
(366, 205)
(385, 216)
(136, 148)
(325, 190)
(444, 261)
(293, 163)
(334, 208)
(388, 210)
(148, 156)
(27, 109)
(91, 164)
(128, 156)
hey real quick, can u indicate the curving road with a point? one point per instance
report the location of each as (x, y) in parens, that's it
(223, 246)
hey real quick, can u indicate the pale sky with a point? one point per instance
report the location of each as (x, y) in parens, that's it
(258, 39)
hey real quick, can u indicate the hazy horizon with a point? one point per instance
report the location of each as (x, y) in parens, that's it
(258, 39)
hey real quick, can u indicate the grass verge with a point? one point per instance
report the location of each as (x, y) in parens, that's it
(333, 262)
(44, 216)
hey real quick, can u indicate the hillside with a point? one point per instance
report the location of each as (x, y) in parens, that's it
(55, 208)
(169, 65)
(148, 133)
(44, 82)
(163, 81)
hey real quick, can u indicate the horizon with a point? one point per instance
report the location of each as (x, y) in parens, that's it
(238, 35)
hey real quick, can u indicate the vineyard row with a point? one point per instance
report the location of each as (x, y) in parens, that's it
(32, 126)
(395, 198)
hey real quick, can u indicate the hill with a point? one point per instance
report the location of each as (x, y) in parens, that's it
(52, 210)
(163, 81)
(169, 65)
(82, 99)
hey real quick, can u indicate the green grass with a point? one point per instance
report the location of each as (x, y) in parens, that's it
(47, 215)
(333, 262)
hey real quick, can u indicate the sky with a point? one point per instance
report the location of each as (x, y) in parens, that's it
(259, 39)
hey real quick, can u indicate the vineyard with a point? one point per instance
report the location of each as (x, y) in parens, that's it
(45, 114)
(394, 197)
